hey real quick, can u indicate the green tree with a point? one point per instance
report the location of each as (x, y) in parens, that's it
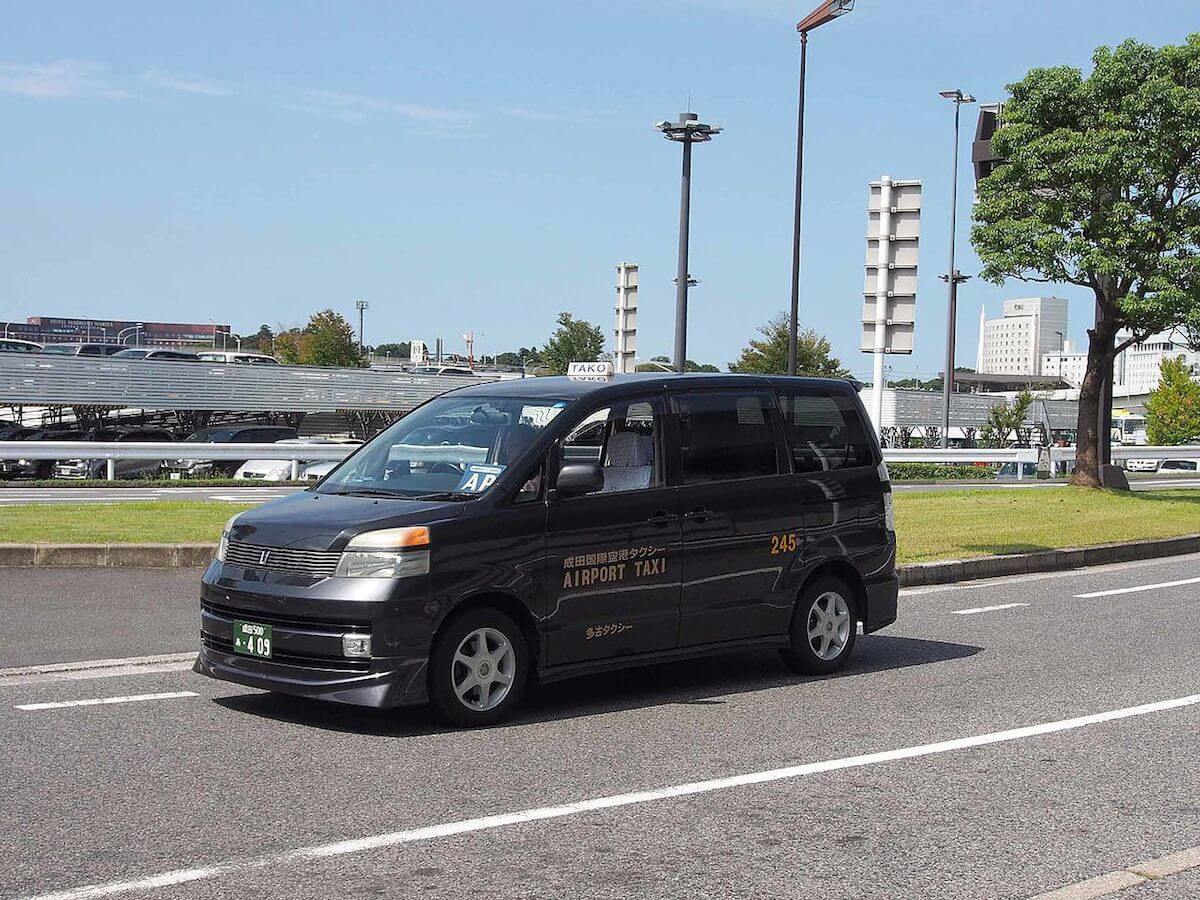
(1005, 419)
(1099, 188)
(573, 341)
(290, 346)
(1173, 410)
(657, 362)
(768, 355)
(331, 341)
(399, 351)
(263, 341)
(523, 356)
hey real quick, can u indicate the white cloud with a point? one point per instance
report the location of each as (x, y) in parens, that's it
(206, 87)
(341, 105)
(60, 80)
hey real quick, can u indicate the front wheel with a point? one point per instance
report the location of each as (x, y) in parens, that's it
(823, 628)
(479, 667)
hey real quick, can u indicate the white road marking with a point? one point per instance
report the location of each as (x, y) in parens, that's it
(1044, 576)
(487, 823)
(96, 668)
(982, 609)
(102, 701)
(1114, 882)
(1138, 589)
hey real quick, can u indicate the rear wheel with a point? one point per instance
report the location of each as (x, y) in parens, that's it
(824, 627)
(479, 667)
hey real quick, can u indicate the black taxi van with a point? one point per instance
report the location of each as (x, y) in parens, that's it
(548, 527)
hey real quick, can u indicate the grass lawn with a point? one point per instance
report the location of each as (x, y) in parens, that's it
(961, 524)
(932, 525)
(151, 522)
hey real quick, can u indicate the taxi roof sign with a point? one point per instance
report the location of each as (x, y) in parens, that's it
(590, 371)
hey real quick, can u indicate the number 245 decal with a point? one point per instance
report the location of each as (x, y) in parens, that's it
(784, 543)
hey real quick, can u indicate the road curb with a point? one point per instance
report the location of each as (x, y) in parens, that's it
(155, 556)
(948, 571)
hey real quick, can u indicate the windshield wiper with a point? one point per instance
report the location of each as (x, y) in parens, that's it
(447, 495)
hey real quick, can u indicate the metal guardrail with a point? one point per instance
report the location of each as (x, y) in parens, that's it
(36, 379)
(189, 450)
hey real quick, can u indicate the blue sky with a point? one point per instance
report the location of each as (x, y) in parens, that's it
(483, 166)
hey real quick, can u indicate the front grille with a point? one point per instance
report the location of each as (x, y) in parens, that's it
(283, 621)
(317, 563)
(339, 664)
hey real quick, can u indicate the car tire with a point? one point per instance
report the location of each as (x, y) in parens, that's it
(824, 626)
(478, 668)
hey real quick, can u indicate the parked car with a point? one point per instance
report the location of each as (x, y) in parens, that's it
(224, 434)
(461, 371)
(1179, 467)
(88, 349)
(314, 472)
(237, 356)
(122, 468)
(1141, 465)
(18, 346)
(281, 469)
(156, 353)
(33, 468)
(1008, 471)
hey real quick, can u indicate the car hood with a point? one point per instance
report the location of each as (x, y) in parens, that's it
(312, 521)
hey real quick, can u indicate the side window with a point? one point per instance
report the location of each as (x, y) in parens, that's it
(825, 431)
(623, 439)
(724, 436)
(89, 351)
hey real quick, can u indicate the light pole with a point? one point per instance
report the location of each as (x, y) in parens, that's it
(1061, 347)
(362, 306)
(953, 278)
(826, 12)
(687, 131)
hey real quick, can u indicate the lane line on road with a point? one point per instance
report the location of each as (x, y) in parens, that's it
(1138, 589)
(523, 817)
(96, 668)
(983, 609)
(104, 701)
(1139, 873)
(1045, 576)
(43, 668)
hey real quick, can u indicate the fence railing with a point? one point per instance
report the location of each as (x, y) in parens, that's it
(186, 450)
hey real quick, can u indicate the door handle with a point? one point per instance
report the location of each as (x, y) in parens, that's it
(700, 513)
(662, 518)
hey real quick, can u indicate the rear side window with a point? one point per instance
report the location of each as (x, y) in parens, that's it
(725, 436)
(824, 431)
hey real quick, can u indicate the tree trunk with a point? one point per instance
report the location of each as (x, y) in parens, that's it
(1087, 432)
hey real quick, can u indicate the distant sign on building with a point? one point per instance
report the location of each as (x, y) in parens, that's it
(57, 329)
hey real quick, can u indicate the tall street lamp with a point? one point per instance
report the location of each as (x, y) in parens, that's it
(826, 12)
(687, 131)
(953, 277)
(361, 306)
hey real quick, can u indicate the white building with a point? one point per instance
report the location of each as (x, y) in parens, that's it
(1017, 343)
(1136, 369)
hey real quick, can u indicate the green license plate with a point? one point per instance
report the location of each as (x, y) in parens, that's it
(252, 639)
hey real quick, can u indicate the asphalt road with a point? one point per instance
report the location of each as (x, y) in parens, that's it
(22, 495)
(227, 791)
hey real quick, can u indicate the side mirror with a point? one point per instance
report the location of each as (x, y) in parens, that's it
(576, 479)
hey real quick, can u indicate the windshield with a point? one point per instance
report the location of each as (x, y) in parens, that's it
(453, 446)
(67, 349)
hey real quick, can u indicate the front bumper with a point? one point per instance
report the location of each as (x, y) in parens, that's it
(308, 617)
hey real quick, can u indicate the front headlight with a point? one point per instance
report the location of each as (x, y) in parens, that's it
(223, 547)
(389, 553)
